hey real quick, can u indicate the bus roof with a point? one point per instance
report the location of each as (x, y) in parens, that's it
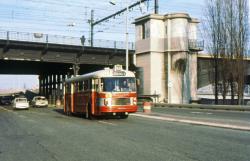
(106, 72)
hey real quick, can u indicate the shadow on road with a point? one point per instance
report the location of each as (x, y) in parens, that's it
(82, 115)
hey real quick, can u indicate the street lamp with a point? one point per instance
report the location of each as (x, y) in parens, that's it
(112, 2)
(76, 66)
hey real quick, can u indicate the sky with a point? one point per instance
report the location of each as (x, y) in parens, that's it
(16, 82)
(71, 18)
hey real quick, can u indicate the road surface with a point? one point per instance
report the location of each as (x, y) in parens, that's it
(45, 134)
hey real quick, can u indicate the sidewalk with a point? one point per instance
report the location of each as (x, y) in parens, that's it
(221, 123)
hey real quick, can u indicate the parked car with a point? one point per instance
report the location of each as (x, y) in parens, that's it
(6, 100)
(20, 103)
(39, 101)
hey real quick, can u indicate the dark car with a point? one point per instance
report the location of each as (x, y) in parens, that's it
(6, 100)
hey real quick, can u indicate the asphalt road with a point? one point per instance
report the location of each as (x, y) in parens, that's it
(46, 134)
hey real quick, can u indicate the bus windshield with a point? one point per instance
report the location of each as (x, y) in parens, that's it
(119, 84)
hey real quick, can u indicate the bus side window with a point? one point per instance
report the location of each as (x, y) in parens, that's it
(85, 86)
(76, 87)
(68, 88)
(80, 86)
(101, 85)
(90, 84)
(96, 84)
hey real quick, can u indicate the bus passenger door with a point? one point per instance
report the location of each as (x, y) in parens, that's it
(95, 90)
(67, 97)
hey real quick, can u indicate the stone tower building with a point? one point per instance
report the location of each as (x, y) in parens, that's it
(166, 54)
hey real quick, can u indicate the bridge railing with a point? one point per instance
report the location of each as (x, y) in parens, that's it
(60, 39)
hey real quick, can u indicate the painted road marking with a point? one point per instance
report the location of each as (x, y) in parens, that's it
(196, 112)
(229, 126)
(6, 109)
(19, 115)
(108, 123)
(9, 110)
(207, 113)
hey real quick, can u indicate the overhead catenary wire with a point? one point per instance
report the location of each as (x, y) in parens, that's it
(55, 15)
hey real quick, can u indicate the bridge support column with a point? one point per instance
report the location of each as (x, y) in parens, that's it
(50, 88)
(50, 84)
(53, 91)
(76, 69)
(63, 79)
(46, 84)
(58, 88)
(41, 84)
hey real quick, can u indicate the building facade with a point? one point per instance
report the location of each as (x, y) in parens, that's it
(166, 54)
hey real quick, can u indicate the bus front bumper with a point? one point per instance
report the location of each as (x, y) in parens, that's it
(118, 109)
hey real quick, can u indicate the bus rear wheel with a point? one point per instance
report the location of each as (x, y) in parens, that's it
(88, 113)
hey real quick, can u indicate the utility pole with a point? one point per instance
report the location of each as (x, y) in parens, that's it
(127, 35)
(156, 7)
(91, 28)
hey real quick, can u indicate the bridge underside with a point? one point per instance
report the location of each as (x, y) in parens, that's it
(205, 71)
(51, 75)
(43, 68)
(34, 51)
(54, 62)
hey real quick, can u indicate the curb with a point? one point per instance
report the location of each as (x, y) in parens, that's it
(201, 106)
(187, 121)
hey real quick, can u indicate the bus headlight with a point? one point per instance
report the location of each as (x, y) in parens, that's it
(133, 100)
(107, 101)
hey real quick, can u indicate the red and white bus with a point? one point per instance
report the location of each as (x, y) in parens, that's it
(104, 92)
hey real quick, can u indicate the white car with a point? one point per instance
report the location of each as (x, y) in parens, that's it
(20, 103)
(39, 101)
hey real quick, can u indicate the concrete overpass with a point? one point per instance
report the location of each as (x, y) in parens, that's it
(55, 58)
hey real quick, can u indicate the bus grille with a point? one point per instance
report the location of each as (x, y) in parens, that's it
(120, 101)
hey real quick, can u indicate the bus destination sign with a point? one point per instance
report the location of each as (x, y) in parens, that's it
(119, 73)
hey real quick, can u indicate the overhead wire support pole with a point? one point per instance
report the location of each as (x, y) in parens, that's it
(91, 28)
(156, 7)
(127, 35)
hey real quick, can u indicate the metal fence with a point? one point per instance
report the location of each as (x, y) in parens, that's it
(194, 44)
(60, 39)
